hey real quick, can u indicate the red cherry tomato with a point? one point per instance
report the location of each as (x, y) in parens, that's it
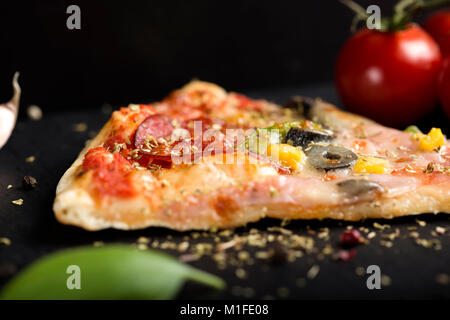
(390, 77)
(444, 86)
(445, 47)
(438, 26)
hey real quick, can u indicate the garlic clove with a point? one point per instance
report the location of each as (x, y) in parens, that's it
(8, 113)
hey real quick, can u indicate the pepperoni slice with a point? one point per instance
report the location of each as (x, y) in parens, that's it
(157, 126)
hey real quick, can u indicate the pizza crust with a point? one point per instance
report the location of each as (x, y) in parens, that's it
(73, 204)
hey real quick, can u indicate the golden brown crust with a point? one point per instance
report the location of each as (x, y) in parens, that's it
(73, 203)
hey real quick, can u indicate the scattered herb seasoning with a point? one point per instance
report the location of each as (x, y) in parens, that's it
(30, 159)
(34, 112)
(29, 182)
(80, 127)
(5, 241)
(278, 254)
(18, 202)
(313, 272)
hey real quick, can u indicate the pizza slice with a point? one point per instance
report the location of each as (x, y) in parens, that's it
(203, 158)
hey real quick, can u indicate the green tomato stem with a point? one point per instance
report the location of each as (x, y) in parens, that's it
(404, 12)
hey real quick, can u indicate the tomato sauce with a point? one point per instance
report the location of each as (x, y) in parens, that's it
(115, 160)
(110, 172)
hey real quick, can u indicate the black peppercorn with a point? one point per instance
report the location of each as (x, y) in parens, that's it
(29, 182)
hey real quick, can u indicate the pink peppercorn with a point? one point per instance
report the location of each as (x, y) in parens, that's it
(351, 237)
(346, 255)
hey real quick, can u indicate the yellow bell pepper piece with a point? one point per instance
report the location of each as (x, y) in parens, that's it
(371, 164)
(287, 155)
(433, 140)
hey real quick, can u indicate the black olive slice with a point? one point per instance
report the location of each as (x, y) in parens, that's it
(302, 104)
(303, 137)
(330, 157)
(358, 187)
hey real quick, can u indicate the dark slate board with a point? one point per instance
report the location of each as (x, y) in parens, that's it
(34, 232)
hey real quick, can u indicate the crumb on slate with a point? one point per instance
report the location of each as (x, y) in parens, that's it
(34, 112)
(5, 241)
(421, 223)
(443, 279)
(313, 272)
(385, 280)
(18, 202)
(440, 230)
(283, 292)
(30, 159)
(29, 182)
(80, 127)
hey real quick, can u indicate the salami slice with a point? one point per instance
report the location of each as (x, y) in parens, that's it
(157, 126)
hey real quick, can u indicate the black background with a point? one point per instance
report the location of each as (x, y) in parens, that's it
(140, 50)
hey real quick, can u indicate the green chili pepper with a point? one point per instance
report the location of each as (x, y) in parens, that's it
(412, 129)
(109, 272)
(261, 137)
